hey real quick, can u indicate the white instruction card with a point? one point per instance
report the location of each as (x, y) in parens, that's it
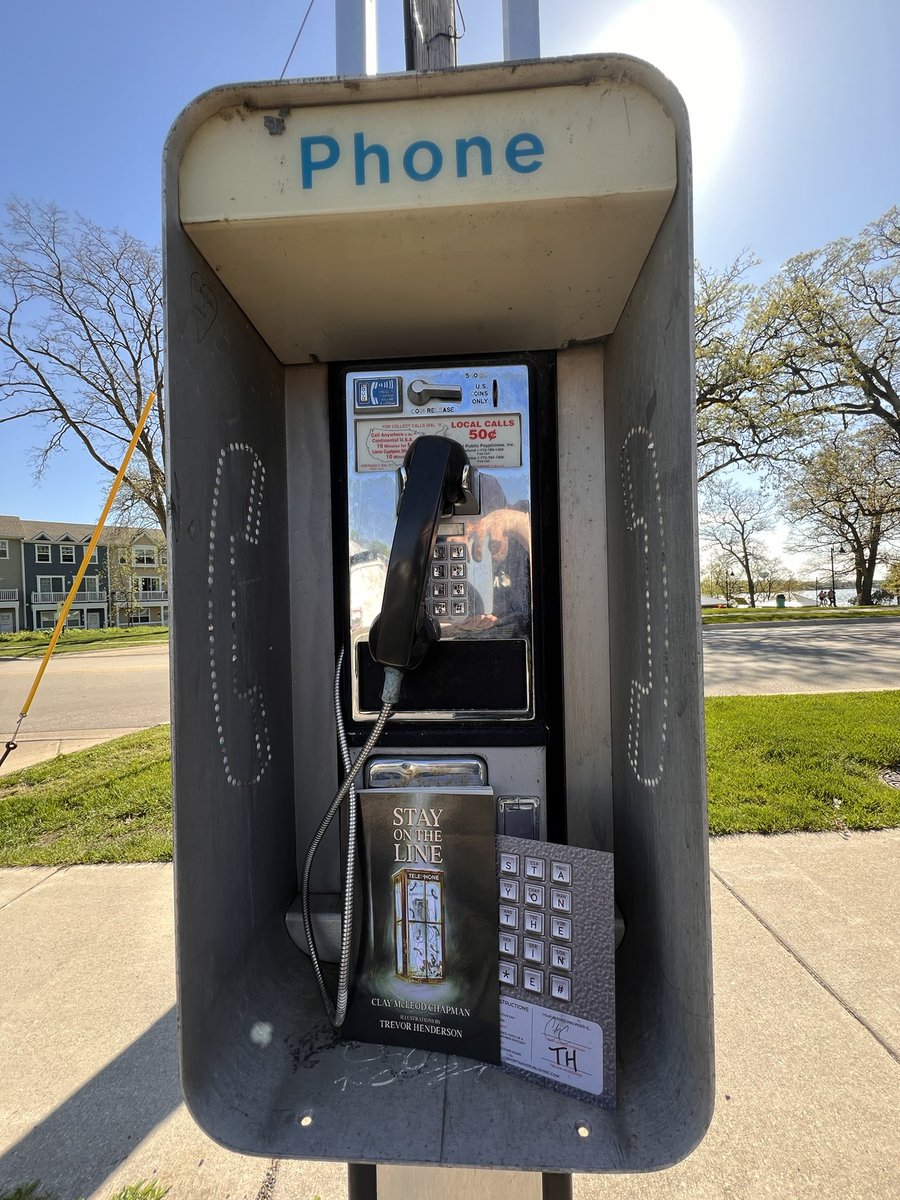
(557, 1045)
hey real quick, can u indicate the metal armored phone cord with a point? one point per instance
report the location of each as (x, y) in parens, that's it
(337, 1011)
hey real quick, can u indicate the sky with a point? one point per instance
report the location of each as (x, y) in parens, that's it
(793, 105)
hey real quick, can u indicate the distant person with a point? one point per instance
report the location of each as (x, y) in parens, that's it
(831, 598)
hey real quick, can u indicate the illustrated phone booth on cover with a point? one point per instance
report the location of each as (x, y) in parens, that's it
(467, 293)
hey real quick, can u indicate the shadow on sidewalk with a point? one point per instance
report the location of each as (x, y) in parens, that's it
(78, 1146)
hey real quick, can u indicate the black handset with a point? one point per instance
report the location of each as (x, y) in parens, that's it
(434, 468)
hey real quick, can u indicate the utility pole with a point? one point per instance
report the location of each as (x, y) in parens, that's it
(430, 29)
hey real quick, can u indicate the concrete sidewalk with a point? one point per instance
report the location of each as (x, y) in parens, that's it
(807, 974)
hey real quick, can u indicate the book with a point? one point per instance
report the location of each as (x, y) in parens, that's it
(426, 971)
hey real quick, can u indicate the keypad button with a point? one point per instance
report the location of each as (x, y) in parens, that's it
(440, 552)
(561, 927)
(440, 608)
(560, 900)
(561, 957)
(560, 872)
(534, 868)
(509, 890)
(457, 570)
(509, 944)
(439, 590)
(438, 570)
(561, 988)
(534, 922)
(532, 980)
(533, 951)
(534, 894)
(458, 589)
(459, 608)
(509, 974)
(458, 550)
(509, 864)
(509, 916)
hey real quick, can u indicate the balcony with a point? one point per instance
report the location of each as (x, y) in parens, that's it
(138, 597)
(9, 594)
(81, 597)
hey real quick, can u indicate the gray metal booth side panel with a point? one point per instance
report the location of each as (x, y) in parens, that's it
(664, 981)
(231, 686)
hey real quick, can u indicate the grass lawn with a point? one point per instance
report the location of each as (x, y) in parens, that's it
(733, 616)
(777, 764)
(109, 804)
(30, 643)
(784, 763)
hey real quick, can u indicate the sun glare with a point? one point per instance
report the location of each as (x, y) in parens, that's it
(693, 43)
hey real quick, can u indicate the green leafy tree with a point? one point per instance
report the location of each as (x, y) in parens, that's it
(829, 323)
(846, 493)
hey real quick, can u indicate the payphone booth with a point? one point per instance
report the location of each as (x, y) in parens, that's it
(466, 295)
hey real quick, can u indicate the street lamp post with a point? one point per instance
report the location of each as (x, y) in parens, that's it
(833, 585)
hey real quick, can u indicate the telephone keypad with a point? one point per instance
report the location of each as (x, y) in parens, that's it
(522, 881)
(450, 562)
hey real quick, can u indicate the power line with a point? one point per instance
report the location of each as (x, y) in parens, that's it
(297, 38)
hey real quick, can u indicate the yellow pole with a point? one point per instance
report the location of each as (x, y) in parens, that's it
(92, 546)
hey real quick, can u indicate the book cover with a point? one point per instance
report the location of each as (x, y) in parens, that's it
(426, 974)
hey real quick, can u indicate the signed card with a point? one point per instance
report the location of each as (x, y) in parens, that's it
(559, 1046)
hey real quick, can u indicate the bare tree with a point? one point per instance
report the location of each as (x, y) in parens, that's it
(81, 341)
(846, 493)
(732, 517)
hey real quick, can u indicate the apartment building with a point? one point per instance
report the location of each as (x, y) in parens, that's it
(38, 564)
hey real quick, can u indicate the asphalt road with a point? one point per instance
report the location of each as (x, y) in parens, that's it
(89, 697)
(83, 699)
(857, 655)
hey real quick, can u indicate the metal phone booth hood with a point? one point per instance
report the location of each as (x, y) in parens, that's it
(543, 206)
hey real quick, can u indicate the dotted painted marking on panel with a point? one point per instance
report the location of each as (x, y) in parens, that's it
(643, 517)
(247, 535)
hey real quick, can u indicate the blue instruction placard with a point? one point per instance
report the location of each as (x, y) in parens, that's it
(377, 391)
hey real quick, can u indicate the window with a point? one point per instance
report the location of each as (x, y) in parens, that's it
(4, 548)
(73, 620)
(89, 589)
(94, 557)
(46, 619)
(149, 583)
(67, 554)
(42, 552)
(145, 556)
(50, 588)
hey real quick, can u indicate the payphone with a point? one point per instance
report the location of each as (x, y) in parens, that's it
(488, 578)
(489, 267)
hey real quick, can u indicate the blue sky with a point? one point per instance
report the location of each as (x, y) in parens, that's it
(794, 105)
